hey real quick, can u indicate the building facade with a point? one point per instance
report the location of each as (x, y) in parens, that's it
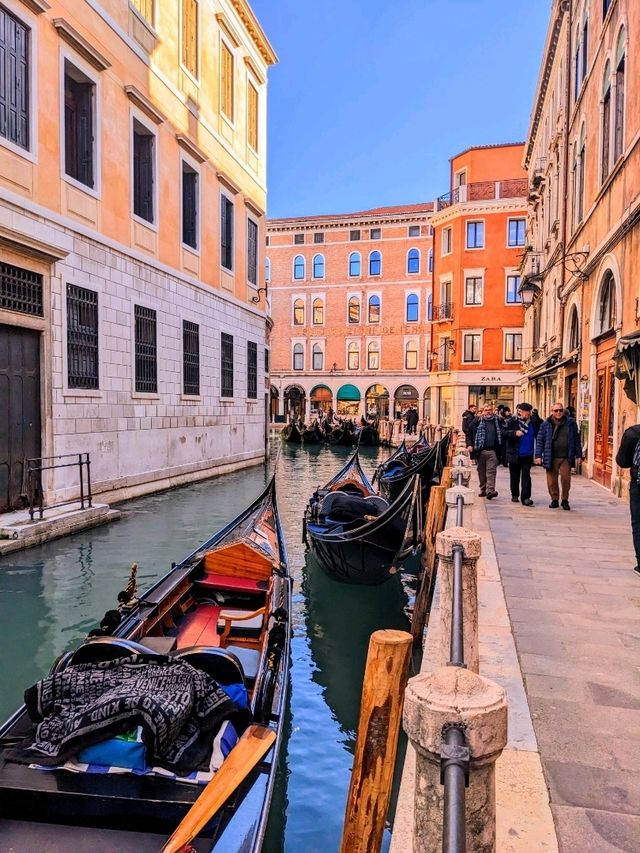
(351, 305)
(479, 239)
(583, 239)
(132, 199)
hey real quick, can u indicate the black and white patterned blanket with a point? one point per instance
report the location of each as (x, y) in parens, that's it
(176, 705)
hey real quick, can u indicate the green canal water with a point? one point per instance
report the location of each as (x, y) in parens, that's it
(52, 595)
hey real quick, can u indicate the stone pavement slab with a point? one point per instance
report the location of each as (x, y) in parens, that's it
(574, 607)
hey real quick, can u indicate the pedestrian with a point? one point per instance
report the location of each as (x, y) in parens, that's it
(536, 420)
(412, 420)
(484, 444)
(557, 448)
(628, 456)
(519, 436)
(468, 417)
(504, 414)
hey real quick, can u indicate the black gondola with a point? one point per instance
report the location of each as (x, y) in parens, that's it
(342, 434)
(313, 435)
(366, 436)
(292, 433)
(225, 609)
(401, 467)
(369, 548)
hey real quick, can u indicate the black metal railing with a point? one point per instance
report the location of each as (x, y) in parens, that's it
(483, 191)
(35, 491)
(445, 311)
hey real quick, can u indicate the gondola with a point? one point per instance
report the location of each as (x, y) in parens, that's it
(292, 433)
(368, 549)
(394, 474)
(313, 435)
(225, 611)
(366, 436)
(342, 434)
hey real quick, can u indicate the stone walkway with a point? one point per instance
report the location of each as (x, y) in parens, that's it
(574, 606)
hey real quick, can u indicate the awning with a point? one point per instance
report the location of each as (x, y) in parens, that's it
(348, 394)
(627, 359)
(406, 392)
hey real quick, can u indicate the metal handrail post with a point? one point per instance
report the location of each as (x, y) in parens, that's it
(455, 758)
(81, 481)
(88, 464)
(459, 510)
(456, 656)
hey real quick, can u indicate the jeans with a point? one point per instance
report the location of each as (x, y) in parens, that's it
(634, 503)
(559, 468)
(487, 467)
(521, 470)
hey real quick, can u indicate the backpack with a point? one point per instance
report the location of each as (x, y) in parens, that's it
(635, 465)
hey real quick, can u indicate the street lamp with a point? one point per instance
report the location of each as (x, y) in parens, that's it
(528, 290)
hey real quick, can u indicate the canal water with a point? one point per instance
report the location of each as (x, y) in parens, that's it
(52, 595)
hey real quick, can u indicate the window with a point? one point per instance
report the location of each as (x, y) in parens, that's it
(373, 356)
(318, 237)
(446, 241)
(618, 132)
(354, 234)
(190, 358)
(374, 309)
(298, 239)
(266, 361)
(375, 234)
(475, 235)
(189, 206)
(607, 307)
(473, 290)
(252, 116)
(82, 337)
(20, 290)
(298, 312)
(606, 124)
(375, 263)
(145, 8)
(317, 357)
(413, 261)
(267, 269)
(146, 350)
(513, 346)
(605, 8)
(582, 153)
(412, 308)
(252, 251)
(226, 232)
(430, 262)
(354, 263)
(353, 356)
(576, 67)
(516, 232)
(79, 100)
(252, 370)
(354, 310)
(226, 81)
(585, 46)
(513, 290)
(574, 332)
(414, 231)
(318, 266)
(143, 171)
(15, 49)
(226, 365)
(411, 355)
(318, 312)
(472, 347)
(189, 41)
(429, 307)
(298, 357)
(298, 268)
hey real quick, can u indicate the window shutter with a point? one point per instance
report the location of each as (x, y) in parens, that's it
(227, 82)
(14, 80)
(252, 102)
(189, 208)
(85, 135)
(252, 251)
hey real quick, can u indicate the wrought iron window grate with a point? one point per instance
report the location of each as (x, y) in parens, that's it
(252, 370)
(146, 350)
(190, 357)
(20, 290)
(82, 337)
(226, 365)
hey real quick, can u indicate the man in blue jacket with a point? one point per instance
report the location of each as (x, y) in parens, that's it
(628, 456)
(520, 437)
(557, 448)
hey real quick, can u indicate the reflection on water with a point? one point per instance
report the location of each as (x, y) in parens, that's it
(52, 595)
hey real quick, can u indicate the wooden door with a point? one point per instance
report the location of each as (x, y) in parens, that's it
(604, 401)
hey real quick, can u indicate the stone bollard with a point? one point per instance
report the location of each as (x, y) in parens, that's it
(468, 495)
(462, 458)
(471, 545)
(433, 702)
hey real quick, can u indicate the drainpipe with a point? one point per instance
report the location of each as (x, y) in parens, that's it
(568, 6)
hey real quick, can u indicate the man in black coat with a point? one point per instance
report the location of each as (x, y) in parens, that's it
(468, 418)
(484, 442)
(628, 456)
(520, 433)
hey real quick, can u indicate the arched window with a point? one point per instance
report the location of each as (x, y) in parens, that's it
(605, 159)
(411, 355)
(373, 355)
(585, 44)
(580, 170)
(267, 269)
(298, 268)
(374, 309)
(353, 356)
(317, 357)
(576, 66)
(429, 307)
(430, 260)
(413, 261)
(574, 331)
(354, 310)
(412, 308)
(318, 266)
(618, 130)
(375, 263)
(298, 357)
(318, 312)
(298, 312)
(354, 264)
(607, 305)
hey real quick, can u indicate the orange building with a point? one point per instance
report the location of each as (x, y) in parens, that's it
(351, 306)
(132, 199)
(478, 242)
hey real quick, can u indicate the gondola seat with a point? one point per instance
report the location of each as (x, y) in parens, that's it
(107, 648)
(202, 626)
(379, 503)
(225, 665)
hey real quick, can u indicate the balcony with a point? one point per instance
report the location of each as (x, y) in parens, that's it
(484, 191)
(444, 311)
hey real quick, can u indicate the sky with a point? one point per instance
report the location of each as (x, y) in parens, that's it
(371, 98)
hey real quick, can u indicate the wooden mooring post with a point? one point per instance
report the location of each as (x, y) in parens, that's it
(385, 679)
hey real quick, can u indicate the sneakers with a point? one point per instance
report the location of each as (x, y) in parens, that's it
(514, 499)
(527, 502)
(554, 505)
(565, 504)
(491, 495)
(482, 493)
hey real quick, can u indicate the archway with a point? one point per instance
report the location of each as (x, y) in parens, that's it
(426, 404)
(321, 398)
(348, 401)
(377, 401)
(274, 405)
(405, 396)
(294, 402)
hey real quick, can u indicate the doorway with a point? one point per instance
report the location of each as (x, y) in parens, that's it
(605, 394)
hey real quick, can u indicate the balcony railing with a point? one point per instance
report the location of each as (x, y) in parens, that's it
(444, 311)
(484, 191)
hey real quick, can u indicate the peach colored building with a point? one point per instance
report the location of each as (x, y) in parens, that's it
(132, 199)
(478, 242)
(351, 300)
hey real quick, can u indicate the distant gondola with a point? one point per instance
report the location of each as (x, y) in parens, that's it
(292, 433)
(342, 434)
(356, 535)
(313, 435)
(225, 610)
(394, 474)
(366, 436)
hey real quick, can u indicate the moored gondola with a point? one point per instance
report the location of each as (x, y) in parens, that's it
(342, 434)
(357, 536)
(313, 435)
(292, 433)
(366, 436)
(427, 462)
(204, 655)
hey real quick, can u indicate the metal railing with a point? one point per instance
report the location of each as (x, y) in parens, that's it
(35, 492)
(444, 311)
(484, 191)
